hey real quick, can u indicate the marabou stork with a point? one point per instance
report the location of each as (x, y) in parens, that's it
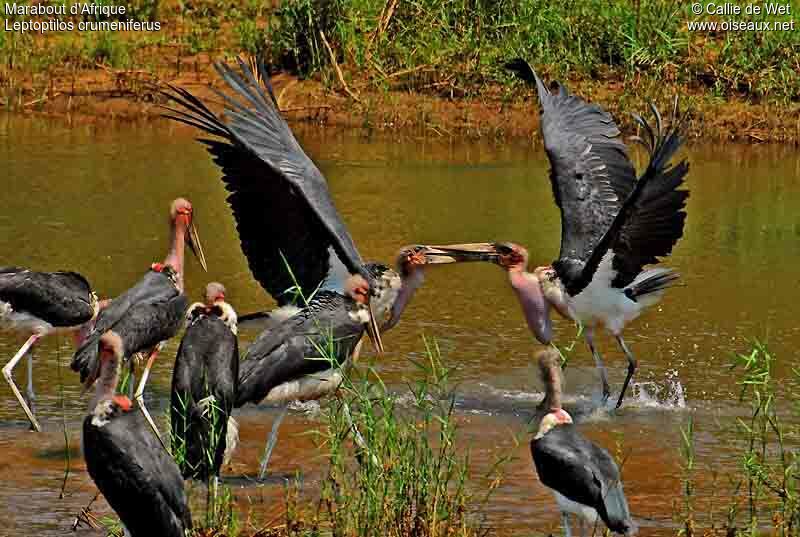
(293, 237)
(136, 475)
(582, 476)
(147, 314)
(39, 303)
(612, 224)
(204, 385)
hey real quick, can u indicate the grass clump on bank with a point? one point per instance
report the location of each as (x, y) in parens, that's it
(457, 47)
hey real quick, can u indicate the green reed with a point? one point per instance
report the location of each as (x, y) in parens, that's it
(765, 497)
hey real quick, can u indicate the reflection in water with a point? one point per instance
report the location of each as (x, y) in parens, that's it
(92, 199)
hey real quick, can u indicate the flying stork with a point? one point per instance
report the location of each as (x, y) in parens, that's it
(149, 313)
(297, 245)
(134, 472)
(582, 476)
(40, 303)
(612, 224)
(204, 385)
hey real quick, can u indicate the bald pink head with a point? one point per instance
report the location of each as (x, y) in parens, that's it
(215, 292)
(357, 288)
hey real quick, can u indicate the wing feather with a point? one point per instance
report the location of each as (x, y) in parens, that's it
(590, 173)
(280, 200)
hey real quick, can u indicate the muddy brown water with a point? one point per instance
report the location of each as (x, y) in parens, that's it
(94, 199)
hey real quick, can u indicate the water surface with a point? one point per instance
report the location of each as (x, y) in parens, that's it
(94, 199)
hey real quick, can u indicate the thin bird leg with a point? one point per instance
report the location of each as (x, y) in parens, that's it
(9, 368)
(30, 397)
(632, 366)
(565, 523)
(273, 439)
(140, 394)
(598, 360)
(132, 376)
(359, 439)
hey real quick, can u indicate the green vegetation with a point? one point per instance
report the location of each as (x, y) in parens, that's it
(457, 47)
(404, 474)
(767, 488)
(619, 52)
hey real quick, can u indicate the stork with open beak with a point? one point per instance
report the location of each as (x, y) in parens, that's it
(37, 304)
(149, 313)
(612, 224)
(298, 247)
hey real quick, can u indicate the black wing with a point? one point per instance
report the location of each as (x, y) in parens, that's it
(591, 173)
(279, 198)
(136, 475)
(652, 221)
(154, 287)
(582, 472)
(59, 298)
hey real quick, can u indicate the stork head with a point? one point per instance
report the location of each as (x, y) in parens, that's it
(358, 289)
(215, 292)
(551, 420)
(512, 257)
(413, 257)
(182, 216)
(386, 285)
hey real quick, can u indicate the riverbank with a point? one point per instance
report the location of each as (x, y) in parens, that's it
(419, 68)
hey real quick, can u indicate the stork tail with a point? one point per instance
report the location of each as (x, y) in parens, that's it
(651, 282)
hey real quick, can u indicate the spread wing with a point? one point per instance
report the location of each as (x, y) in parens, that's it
(651, 222)
(590, 172)
(279, 198)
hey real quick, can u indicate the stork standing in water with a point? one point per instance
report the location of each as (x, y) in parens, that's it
(204, 386)
(582, 476)
(40, 303)
(147, 314)
(612, 224)
(294, 238)
(136, 475)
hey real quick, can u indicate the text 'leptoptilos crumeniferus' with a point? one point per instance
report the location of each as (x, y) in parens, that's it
(612, 224)
(149, 313)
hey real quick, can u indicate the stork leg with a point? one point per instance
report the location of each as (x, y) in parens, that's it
(140, 394)
(30, 396)
(7, 373)
(273, 439)
(598, 360)
(633, 364)
(132, 377)
(565, 523)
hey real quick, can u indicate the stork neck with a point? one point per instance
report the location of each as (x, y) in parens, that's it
(106, 383)
(175, 257)
(552, 390)
(535, 306)
(409, 285)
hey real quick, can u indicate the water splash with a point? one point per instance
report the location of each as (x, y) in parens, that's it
(668, 394)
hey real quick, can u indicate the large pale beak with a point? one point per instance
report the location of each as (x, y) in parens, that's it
(373, 331)
(193, 241)
(459, 253)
